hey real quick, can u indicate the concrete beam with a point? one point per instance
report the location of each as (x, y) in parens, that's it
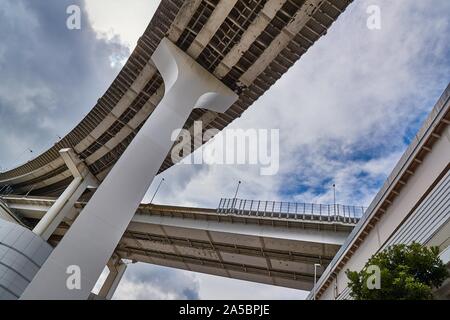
(266, 15)
(145, 75)
(182, 19)
(109, 287)
(208, 31)
(241, 229)
(65, 203)
(281, 41)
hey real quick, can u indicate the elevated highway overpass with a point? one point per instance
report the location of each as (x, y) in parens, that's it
(246, 44)
(234, 49)
(267, 246)
(198, 60)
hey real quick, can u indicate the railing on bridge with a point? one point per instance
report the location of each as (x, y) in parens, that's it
(291, 210)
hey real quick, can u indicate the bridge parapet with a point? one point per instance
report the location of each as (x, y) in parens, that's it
(291, 210)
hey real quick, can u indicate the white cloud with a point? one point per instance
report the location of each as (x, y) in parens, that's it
(51, 75)
(123, 18)
(142, 282)
(232, 289)
(355, 93)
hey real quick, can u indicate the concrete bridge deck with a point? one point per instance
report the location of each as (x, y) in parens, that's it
(276, 250)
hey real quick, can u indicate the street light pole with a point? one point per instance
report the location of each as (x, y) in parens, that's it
(315, 278)
(156, 191)
(334, 199)
(235, 195)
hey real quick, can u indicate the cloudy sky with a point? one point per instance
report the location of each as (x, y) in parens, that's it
(346, 111)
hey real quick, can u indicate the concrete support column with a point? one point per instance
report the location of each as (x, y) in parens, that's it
(61, 208)
(94, 235)
(116, 272)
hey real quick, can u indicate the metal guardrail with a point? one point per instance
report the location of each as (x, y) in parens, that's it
(291, 210)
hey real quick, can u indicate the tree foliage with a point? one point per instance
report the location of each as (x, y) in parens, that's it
(407, 272)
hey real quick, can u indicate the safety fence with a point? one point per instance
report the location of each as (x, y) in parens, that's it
(291, 210)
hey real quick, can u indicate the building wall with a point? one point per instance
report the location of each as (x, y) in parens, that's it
(396, 215)
(22, 253)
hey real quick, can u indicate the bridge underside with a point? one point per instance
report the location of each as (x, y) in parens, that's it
(276, 251)
(247, 44)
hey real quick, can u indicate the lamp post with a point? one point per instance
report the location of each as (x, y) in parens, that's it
(156, 191)
(315, 278)
(235, 195)
(334, 200)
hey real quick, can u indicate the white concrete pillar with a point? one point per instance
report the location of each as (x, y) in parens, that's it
(109, 287)
(61, 208)
(94, 235)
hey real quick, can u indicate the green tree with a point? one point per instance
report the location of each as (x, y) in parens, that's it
(406, 272)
